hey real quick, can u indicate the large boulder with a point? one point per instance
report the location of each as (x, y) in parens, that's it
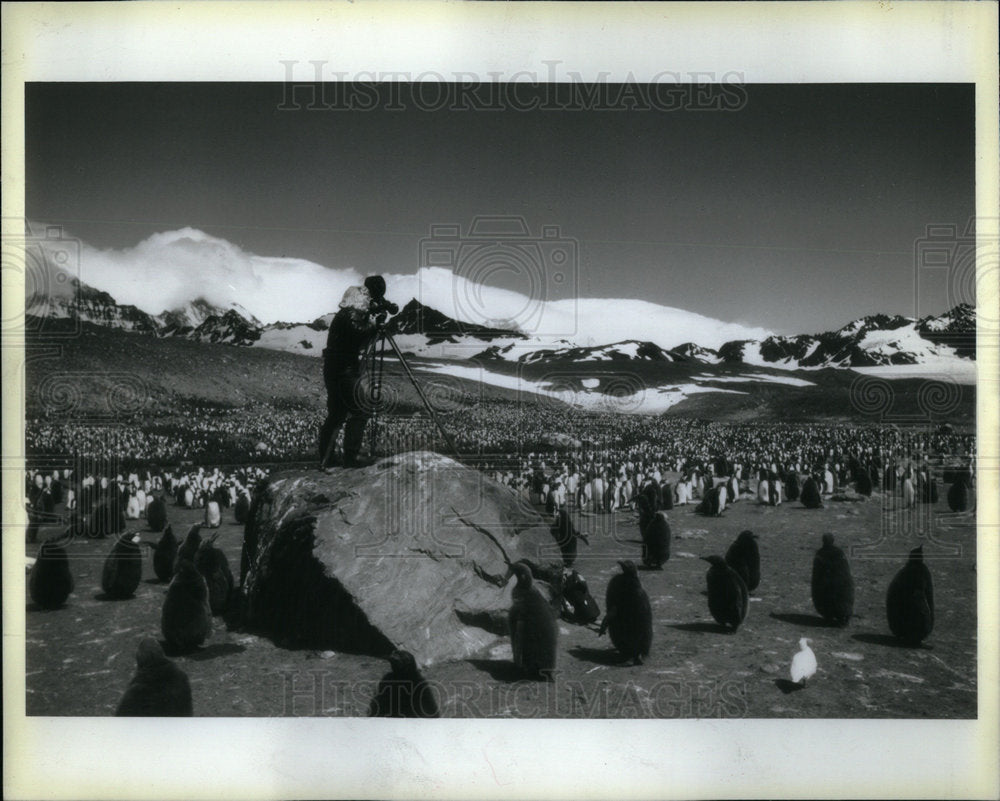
(407, 553)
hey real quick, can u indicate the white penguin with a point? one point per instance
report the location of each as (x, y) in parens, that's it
(132, 507)
(803, 663)
(681, 494)
(213, 515)
(828, 485)
(909, 493)
(763, 492)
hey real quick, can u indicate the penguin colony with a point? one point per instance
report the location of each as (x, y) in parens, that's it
(201, 583)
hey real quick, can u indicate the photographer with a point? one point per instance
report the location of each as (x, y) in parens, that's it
(362, 311)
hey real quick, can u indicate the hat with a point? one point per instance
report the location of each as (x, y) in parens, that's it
(356, 297)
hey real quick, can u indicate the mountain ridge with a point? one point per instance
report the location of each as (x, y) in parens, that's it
(869, 341)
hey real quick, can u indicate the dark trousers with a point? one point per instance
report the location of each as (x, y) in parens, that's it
(344, 402)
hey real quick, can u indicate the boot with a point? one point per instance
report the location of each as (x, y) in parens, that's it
(354, 460)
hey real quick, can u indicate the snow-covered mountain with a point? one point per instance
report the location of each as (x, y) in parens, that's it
(63, 296)
(876, 340)
(194, 313)
(880, 340)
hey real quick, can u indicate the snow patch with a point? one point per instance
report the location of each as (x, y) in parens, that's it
(651, 400)
(962, 371)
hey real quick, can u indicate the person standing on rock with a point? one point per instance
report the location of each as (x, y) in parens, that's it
(362, 310)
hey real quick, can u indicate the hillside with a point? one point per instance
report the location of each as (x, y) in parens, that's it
(159, 376)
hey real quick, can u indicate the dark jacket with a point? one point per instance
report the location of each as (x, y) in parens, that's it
(350, 332)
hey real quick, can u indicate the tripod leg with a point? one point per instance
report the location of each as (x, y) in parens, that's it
(423, 397)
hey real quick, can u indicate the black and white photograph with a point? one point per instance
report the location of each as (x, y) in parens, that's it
(494, 396)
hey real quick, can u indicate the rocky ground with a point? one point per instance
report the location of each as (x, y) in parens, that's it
(80, 658)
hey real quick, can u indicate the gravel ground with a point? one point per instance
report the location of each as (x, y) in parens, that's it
(79, 658)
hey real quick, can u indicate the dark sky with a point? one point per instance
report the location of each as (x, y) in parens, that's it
(797, 209)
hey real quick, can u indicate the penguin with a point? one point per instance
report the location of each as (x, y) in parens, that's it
(123, 567)
(221, 497)
(665, 494)
(164, 554)
(107, 519)
(132, 509)
(928, 490)
(241, 509)
(792, 487)
(189, 547)
(890, 479)
(909, 493)
(566, 535)
(763, 492)
(645, 507)
(188, 497)
(909, 602)
(853, 466)
(728, 598)
(533, 629)
(158, 689)
(550, 502)
(773, 490)
(50, 581)
(803, 665)
(682, 493)
(958, 493)
(733, 489)
(810, 497)
(628, 616)
(656, 541)
(875, 475)
(832, 583)
(403, 692)
(713, 502)
(863, 483)
(743, 556)
(211, 562)
(156, 514)
(186, 619)
(719, 496)
(213, 514)
(829, 486)
(597, 493)
(579, 606)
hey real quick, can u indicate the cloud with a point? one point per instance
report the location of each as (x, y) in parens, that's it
(169, 269)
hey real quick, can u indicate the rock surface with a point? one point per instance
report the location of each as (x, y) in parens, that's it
(385, 557)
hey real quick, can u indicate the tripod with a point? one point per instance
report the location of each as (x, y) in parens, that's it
(374, 365)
